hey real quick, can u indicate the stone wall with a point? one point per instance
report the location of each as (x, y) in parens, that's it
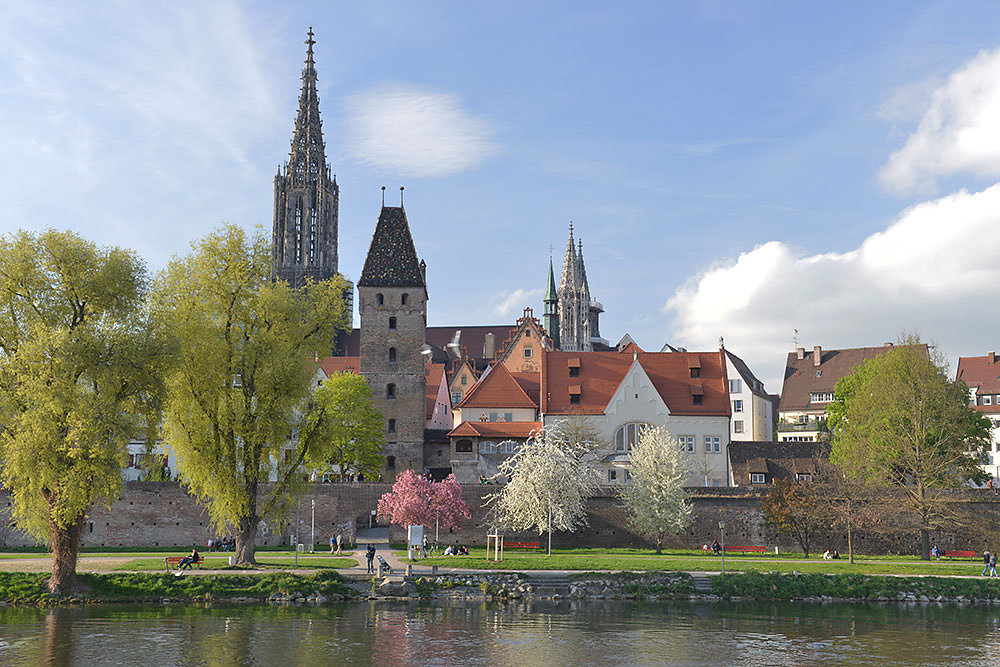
(162, 514)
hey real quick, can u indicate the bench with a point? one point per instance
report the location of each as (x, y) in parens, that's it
(522, 545)
(175, 561)
(752, 550)
(959, 554)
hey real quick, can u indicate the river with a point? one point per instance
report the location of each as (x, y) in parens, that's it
(521, 634)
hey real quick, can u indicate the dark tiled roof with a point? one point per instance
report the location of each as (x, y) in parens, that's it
(981, 372)
(778, 460)
(801, 377)
(392, 260)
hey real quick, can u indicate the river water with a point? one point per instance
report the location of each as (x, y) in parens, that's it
(521, 634)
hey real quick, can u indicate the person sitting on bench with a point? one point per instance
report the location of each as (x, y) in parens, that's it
(190, 560)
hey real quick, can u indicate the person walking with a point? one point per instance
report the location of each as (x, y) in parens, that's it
(986, 563)
(340, 539)
(370, 556)
(993, 565)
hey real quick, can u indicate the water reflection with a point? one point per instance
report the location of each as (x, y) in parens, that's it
(473, 633)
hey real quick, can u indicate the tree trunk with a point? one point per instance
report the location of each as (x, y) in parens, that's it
(925, 544)
(246, 541)
(65, 549)
(850, 542)
(659, 546)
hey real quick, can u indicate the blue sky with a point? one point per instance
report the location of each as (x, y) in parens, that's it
(734, 169)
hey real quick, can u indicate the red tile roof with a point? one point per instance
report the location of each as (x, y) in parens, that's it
(498, 389)
(332, 365)
(602, 372)
(433, 374)
(496, 429)
(981, 372)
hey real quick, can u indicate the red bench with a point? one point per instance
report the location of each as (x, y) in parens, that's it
(175, 561)
(752, 550)
(522, 545)
(959, 554)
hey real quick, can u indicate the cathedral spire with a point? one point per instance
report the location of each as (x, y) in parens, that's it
(307, 158)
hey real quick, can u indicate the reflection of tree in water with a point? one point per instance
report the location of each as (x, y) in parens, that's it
(58, 643)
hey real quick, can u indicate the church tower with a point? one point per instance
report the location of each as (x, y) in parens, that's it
(574, 302)
(550, 316)
(392, 301)
(306, 196)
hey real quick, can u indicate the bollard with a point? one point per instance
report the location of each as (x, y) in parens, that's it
(380, 575)
(409, 569)
(434, 570)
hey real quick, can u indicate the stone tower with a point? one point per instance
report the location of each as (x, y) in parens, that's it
(550, 316)
(306, 196)
(392, 301)
(574, 302)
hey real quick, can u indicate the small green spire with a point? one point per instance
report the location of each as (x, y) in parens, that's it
(551, 295)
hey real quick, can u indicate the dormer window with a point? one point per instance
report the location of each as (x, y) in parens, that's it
(697, 399)
(574, 371)
(696, 372)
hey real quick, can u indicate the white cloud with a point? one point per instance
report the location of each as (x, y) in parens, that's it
(505, 303)
(415, 132)
(958, 129)
(932, 270)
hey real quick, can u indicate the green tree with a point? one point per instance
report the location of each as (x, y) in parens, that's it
(346, 427)
(898, 421)
(795, 509)
(243, 377)
(655, 498)
(79, 366)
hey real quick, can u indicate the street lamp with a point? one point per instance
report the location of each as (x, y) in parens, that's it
(722, 529)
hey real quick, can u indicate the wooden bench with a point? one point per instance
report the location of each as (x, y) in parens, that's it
(752, 550)
(522, 545)
(175, 561)
(959, 554)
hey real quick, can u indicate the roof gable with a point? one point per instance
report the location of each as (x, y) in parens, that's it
(635, 378)
(497, 389)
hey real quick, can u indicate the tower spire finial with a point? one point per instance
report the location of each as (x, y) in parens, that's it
(400, 196)
(383, 196)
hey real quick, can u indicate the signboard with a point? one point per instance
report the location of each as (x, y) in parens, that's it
(415, 536)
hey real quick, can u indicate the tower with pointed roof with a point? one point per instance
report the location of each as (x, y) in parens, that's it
(550, 316)
(392, 302)
(306, 196)
(573, 310)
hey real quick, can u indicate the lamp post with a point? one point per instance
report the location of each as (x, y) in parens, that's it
(722, 530)
(312, 529)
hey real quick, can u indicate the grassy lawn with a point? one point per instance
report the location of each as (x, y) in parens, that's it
(222, 563)
(637, 559)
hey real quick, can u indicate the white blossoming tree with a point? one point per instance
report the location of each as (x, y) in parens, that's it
(550, 480)
(655, 498)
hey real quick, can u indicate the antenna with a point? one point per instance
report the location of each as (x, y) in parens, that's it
(400, 196)
(383, 196)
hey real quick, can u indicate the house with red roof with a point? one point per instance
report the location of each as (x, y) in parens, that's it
(982, 375)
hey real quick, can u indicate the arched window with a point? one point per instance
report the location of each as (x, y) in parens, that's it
(392, 355)
(391, 426)
(379, 299)
(390, 391)
(627, 435)
(405, 299)
(390, 463)
(392, 324)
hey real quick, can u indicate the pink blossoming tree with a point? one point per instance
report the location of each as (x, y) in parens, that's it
(415, 500)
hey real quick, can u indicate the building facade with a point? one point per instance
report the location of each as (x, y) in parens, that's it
(982, 375)
(753, 418)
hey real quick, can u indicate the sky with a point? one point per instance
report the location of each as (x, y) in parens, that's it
(768, 172)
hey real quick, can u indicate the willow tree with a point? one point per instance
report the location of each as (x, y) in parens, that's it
(78, 380)
(243, 377)
(898, 421)
(654, 498)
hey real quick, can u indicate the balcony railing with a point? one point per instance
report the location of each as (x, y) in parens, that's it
(785, 427)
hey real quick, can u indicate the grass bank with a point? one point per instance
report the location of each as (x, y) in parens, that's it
(29, 588)
(773, 586)
(222, 563)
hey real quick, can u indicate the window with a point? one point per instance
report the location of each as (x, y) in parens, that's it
(392, 324)
(380, 299)
(713, 443)
(819, 374)
(802, 419)
(391, 426)
(574, 399)
(687, 443)
(803, 477)
(612, 475)
(508, 416)
(716, 481)
(738, 426)
(485, 447)
(456, 397)
(757, 478)
(696, 372)
(574, 371)
(405, 299)
(390, 463)
(390, 391)
(464, 380)
(494, 417)
(463, 446)
(527, 353)
(736, 386)
(737, 406)
(987, 400)
(627, 435)
(697, 399)
(508, 447)
(392, 355)
(820, 396)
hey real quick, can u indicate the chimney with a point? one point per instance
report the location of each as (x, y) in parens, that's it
(800, 353)
(489, 347)
(817, 355)
(992, 357)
